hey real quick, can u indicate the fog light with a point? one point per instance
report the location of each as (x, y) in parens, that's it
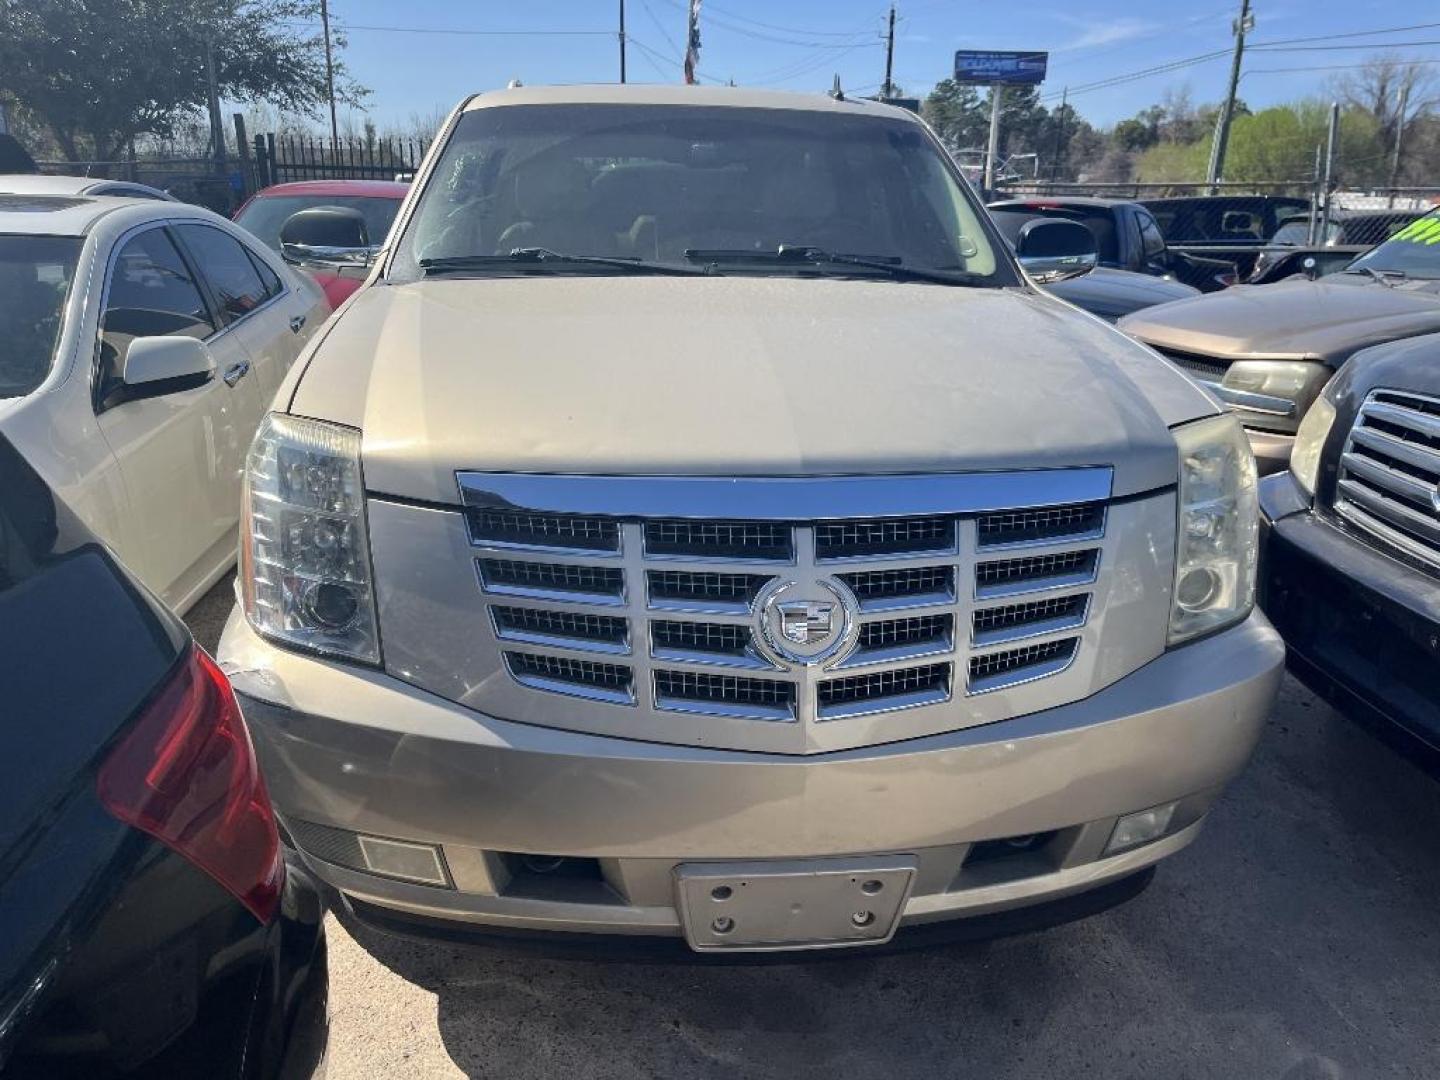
(1198, 589)
(397, 858)
(1133, 830)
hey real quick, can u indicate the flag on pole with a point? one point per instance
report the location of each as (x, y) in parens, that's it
(692, 43)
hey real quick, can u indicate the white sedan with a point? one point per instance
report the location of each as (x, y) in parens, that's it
(141, 342)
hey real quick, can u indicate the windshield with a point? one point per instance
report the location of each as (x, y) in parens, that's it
(264, 215)
(1413, 251)
(35, 275)
(686, 185)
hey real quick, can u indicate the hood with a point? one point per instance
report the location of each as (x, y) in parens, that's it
(1324, 320)
(735, 376)
(1112, 294)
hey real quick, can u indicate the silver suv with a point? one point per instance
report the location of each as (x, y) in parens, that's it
(700, 527)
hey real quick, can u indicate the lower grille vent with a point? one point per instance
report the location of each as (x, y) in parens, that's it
(726, 694)
(513, 575)
(605, 681)
(995, 670)
(716, 638)
(705, 587)
(901, 536)
(525, 529)
(719, 539)
(1051, 523)
(877, 589)
(534, 622)
(1035, 571)
(1039, 616)
(883, 689)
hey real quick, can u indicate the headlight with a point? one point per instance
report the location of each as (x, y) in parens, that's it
(305, 559)
(1310, 443)
(1217, 534)
(1277, 387)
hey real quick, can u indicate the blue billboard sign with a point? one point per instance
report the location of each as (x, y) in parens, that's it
(1004, 68)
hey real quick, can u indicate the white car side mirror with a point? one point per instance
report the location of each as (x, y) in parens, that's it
(153, 360)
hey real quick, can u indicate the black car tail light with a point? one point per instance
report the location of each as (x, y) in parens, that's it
(185, 772)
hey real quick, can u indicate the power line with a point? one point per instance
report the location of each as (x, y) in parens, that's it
(1159, 69)
(711, 6)
(1350, 34)
(734, 28)
(1344, 48)
(450, 30)
(1337, 67)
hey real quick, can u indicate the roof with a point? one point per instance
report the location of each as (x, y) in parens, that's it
(362, 189)
(41, 184)
(641, 94)
(76, 215)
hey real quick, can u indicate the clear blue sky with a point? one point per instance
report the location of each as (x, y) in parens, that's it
(801, 44)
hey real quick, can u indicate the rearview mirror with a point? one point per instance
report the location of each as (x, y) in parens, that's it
(327, 236)
(1052, 250)
(165, 364)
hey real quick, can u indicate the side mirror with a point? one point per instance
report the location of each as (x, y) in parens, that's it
(327, 236)
(1052, 250)
(166, 364)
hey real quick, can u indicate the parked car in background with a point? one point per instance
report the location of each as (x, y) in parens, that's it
(1113, 294)
(149, 925)
(1277, 264)
(1126, 233)
(1352, 548)
(1269, 350)
(1215, 223)
(1349, 233)
(377, 201)
(41, 184)
(698, 531)
(141, 342)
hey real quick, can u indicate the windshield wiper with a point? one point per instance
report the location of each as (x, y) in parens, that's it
(1385, 277)
(805, 254)
(539, 256)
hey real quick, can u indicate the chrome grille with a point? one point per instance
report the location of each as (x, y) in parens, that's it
(678, 631)
(1389, 478)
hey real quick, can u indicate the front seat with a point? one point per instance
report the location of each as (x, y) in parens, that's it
(553, 208)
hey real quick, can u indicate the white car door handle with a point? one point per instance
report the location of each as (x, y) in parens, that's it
(236, 372)
(297, 323)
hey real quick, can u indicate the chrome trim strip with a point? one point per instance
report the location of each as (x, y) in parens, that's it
(892, 703)
(1401, 416)
(1038, 585)
(876, 605)
(785, 498)
(720, 708)
(1390, 479)
(1416, 454)
(557, 641)
(893, 654)
(1248, 400)
(749, 661)
(987, 638)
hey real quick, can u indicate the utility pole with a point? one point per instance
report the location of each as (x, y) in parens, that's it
(329, 74)
(1331, 138)
(212, 95)
(622, 40)
(885, 94)
(1059, 135)
(1243, 25)
(1399, 139)
(996, 92)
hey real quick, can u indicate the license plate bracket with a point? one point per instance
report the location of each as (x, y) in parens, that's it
(776, 905)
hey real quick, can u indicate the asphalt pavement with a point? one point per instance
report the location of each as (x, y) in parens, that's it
(1298, 938)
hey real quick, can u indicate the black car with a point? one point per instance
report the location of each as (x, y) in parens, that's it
(1352, 540)
(1126, 235)
(1348, 234)
(1113, 294)
(149, 922)
(1214, 224)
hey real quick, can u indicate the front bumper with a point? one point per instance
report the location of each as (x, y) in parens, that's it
(348, 751)
(1363, 628)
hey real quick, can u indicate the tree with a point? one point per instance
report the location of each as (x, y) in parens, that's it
(98, 73)
(956, 113)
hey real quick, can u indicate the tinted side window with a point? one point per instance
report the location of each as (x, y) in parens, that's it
(271, 280)
(152, 294)
(1152, 241)
(223, 262)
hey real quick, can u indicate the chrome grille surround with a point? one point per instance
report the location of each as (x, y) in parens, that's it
(920, 617)
(1388, 483)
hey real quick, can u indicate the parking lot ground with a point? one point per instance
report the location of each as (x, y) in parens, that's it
(1298, 938)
